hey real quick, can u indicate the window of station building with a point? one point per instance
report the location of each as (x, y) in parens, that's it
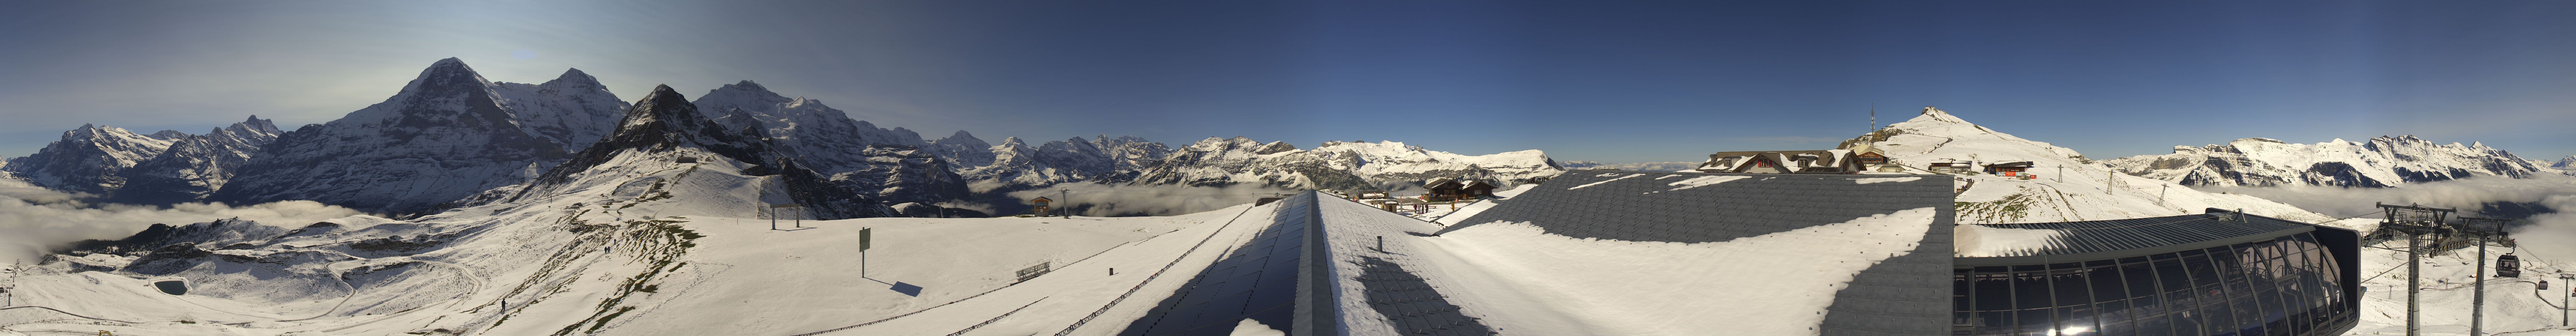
(2031, 303)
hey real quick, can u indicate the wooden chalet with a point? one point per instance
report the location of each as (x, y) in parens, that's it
(1832, 161)
(1457, 188)
(2008, 168)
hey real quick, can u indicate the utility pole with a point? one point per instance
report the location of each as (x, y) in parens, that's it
(11, 299)
(2478, 300)
(2109, 180)
(1873, 122)
(863, 252)
(2570, 280)
(2160, 193)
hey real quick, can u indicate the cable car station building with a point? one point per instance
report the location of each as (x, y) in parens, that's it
(2217, 273)
(1727, 253)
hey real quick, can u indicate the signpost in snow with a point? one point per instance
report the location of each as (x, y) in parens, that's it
(863, 252)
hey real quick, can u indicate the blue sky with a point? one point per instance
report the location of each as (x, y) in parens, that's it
(1631, 81)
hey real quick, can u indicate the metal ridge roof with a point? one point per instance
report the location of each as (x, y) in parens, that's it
(2120, 238)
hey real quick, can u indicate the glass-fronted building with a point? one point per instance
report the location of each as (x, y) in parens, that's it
(2218, 273)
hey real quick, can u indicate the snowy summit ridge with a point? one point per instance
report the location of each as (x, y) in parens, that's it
(2069, 187)
(2383, 161)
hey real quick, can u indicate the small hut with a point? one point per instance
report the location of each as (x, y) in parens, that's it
(1041, 209)
(2008, 168)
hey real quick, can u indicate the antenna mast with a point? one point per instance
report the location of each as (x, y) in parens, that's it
(1873, 122)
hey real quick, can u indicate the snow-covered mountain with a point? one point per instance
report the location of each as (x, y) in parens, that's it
(2084, 191)
(451, 138)
(964, 151)
(196, 165)
(1383, 165)
(2381, 162)
(160, 168)
(447, 135)
(87, 159)
(661, 130)
(892, 164)
(1016, 165)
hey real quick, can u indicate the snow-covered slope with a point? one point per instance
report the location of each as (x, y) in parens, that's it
(2084, 191)
(893, 164)
(447, 135)
(87, 159)
(2381, 162)
(1384, 165)
(196, 165)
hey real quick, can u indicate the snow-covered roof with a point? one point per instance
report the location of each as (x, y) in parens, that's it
(2043, 243)
(1831, 248)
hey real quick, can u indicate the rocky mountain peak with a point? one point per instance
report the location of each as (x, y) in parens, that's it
(575, 79)
(255, 124)
(1274, 147)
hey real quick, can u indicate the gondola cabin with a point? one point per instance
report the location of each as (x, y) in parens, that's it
(2508, 266)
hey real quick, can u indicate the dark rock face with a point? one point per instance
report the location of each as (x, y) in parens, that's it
(2341, 175)
(169, 259)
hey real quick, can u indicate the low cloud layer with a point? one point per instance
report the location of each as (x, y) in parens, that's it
(2550, 237)
(2464, 194)
(34, 219)
(1094, 199)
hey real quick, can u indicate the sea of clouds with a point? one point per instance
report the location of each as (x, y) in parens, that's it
(34, 219)
(2551, 236)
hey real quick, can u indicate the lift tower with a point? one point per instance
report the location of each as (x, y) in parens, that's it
(2415, 221)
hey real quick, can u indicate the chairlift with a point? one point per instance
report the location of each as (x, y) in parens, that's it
(2544, 285)
(2508, 266)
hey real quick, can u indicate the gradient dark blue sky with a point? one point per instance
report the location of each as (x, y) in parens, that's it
(1583, 81)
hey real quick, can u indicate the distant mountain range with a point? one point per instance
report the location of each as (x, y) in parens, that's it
(451, 138)
(2384, 161)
